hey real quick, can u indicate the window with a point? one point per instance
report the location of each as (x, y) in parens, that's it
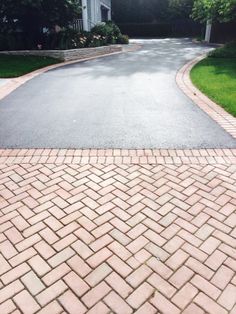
(104, 13)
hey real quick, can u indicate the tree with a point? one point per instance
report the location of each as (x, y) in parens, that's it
(214, 10)
(180, 8)
(211, 11)
(31, 16)
(228, 10)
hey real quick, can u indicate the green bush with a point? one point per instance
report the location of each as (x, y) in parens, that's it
(109, 30)
(228, 51)
(123, 40)
(11, 41)
(95, 40)
(65, 39)
(115, 29)
(68, 38)
(102, 29)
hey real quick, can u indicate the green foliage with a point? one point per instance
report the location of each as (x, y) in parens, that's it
(95, 40)
(214, 10)
(14, 66)
(45, 13)
(70, 39)
(216, 78)
(31, 16)
(228, 51)
(67, 38)
(102, 34)
(123, 39)
(228, 10)
(114, 28)
(180, 8)
(102, 29)
(109, 33)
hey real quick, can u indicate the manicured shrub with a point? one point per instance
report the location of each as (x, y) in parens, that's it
(228, 51)
(67, 38)
(108, 30)
(123, 40)
(102, 29)
(115, 29)
(95, 40)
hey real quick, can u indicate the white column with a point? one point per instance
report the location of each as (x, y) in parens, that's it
(85, 14)
(208, 31)
(93, 12)
(97, 7)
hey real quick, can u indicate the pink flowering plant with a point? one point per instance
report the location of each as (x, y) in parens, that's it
(101, 35)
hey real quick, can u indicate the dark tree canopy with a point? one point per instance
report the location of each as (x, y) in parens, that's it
(139, 11)
(148, 11)
(180, 8)
(33, 14)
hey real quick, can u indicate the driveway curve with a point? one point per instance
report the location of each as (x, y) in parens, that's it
(129, 100)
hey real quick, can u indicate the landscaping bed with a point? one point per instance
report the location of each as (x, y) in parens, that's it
(67, 55)
(18, 57)
(14, 66)
(102, 34)
(215, 76)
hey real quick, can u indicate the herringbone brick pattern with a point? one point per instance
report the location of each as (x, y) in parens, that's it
(121, 238)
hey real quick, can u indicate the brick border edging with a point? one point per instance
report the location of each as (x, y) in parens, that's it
(217, 113)
(117, 156)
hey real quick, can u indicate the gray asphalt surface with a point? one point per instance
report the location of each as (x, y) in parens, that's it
(129, 100)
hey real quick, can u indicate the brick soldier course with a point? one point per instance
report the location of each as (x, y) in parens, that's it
(117, 237)
(217, 113)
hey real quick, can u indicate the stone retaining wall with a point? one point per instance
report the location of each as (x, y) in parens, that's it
(68, 55)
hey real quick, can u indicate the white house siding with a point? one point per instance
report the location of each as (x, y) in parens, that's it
(106, 3)
(92, 12)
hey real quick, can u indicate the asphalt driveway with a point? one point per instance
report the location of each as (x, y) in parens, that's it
(129, 100)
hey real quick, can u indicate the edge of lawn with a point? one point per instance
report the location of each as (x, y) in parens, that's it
(14, 66)
(216, 78)
(16, 82)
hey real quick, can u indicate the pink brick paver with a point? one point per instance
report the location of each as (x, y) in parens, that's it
(216, 112)
(117, 231)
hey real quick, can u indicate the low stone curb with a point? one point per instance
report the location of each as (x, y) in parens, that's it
(14, 83)
(117, 156)
(68, 54)
(217, 113)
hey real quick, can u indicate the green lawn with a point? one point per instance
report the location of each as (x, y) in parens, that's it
(14, 66)
(216, 77)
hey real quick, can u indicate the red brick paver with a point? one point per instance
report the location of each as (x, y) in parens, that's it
(117, 231)
(217, 113)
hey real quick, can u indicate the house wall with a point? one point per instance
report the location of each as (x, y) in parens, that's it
(96, 10)
(106, 3)
(92, 12)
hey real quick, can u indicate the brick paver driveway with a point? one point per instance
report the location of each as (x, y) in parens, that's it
(118, 231)
(144, 232)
